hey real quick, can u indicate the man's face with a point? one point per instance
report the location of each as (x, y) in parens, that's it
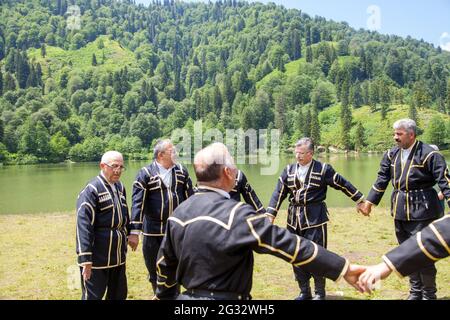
(169, 156)
(303, 155)
(403, 138)
(113, 169)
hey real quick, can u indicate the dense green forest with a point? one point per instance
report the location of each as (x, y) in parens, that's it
(132, 73)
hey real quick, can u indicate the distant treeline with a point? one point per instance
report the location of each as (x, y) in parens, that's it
(132, 73)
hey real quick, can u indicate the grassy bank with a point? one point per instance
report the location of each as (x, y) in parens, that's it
(37, 259)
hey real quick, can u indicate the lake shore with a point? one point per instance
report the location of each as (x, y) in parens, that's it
(38, 259)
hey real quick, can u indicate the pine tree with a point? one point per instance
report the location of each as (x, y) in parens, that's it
(412, 112)
(39, 75)
(32, 79)
(297, 46)
(309, 55)
(360, 140)
(308, 36)
(10, 83)
(373, 96)
(1, 84)
(299, 120)
(22, 70)
(94, 60)
(346, 116)
(307, 126)
(356, 98)
(315, 127)
(280, 110)
(43, 50)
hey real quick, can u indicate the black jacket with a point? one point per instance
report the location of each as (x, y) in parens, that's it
(153, 202)
(102, 224)
(414, 197)
(307, 208)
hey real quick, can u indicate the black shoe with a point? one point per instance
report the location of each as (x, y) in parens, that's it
(415, 296)
(428, 296)
(319, 297)
(304, 296)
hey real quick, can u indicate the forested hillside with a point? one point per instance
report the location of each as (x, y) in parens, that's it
(130, 74)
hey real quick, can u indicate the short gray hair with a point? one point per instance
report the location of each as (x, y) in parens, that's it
(306, 142)
(109, 156)
(161, 146)
(209, 161)
(406, 124)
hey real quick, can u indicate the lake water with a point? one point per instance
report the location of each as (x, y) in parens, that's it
(54, 187)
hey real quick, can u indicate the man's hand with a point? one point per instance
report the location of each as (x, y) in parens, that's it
(87, 271)
(352, 276)
(364, 207)
(133, 241)
(372, 275)
(360, 208)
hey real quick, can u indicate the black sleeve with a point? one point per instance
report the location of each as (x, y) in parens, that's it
(86, 208)
(249, 195)
(380, 185)
(427, 246)
(188, 186)
(264, 237)
(166, 268)
(140, 189)
(279, 194)
(438, 167)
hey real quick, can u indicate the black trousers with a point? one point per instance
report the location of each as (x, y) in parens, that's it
(424, 280)
(113, 281)
(318, 235)
(150, 248)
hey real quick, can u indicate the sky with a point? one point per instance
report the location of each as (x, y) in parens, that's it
(421, 19)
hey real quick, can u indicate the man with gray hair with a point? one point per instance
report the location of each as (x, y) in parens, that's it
(210, 239)
(159, 188)
(306, 182)
(413, 168)
(102, 231)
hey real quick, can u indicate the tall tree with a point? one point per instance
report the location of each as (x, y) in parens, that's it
(346, 116)
(307, 126)
(1, 84)
(43, 50)
(94, 60)
(280, 112)
(315, 126)
(360, 140)
(309, 54)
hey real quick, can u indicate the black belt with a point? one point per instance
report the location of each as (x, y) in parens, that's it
(221, 295)
(308, 204)
(414, 190)
(109, 229)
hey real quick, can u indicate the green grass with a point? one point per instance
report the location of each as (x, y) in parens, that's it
(116, 57)
(38, 261)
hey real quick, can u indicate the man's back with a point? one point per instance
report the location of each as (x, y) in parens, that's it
(210, 238)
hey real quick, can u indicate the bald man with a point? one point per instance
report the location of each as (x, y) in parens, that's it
(102, 231)
(210, 239)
